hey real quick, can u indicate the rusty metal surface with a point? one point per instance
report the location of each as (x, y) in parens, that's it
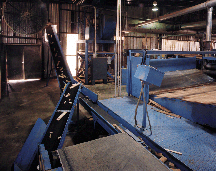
(116, 152)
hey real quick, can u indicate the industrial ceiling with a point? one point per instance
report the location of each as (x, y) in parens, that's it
(139, 12)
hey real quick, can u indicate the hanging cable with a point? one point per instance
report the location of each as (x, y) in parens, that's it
(148, 116)
(141, 93)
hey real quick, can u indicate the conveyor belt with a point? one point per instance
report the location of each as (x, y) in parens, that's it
(62, 70)
(181, 79)
(56, 127)
(115, 152)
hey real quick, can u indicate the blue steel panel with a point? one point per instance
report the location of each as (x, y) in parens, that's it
(16, 168)
(89, 93)
(57, 169)
(210, 58)
(158, 52)
(109, 28)
(44, 157)
(134, 85)
(198, 113)
(128, 89)
(110, 75)
(173, 64)
(30, 148)
(146, 139)
(135, 82)
(197, 144)
(124, 76)
(149, 75)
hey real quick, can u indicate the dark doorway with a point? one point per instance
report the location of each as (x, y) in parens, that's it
(15, 62)
(24, 62)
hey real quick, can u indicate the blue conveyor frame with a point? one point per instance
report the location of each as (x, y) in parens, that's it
(57, 52)
(169, 64)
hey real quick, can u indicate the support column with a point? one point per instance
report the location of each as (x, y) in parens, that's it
(208, 28)
(95, 39)
(86, 62)
(145, 99)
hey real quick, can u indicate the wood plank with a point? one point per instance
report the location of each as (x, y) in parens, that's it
(158, 106)
(205, 94)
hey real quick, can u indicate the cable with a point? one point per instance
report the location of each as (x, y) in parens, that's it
(141, 93)
(148, 116)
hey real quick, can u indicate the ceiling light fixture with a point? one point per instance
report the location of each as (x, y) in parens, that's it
(155, 8)
(155, 3)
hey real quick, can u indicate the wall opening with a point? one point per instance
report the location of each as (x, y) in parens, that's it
(71, 52)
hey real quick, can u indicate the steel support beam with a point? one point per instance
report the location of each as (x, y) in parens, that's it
(183, 12)
(208, 28)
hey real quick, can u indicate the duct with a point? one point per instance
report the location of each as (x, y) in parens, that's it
(183, 12)
(200, 24)
(209, 24)
(161, 31)
(208, 28)
(95, 54)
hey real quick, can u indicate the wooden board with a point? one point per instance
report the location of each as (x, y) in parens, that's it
(205, 94)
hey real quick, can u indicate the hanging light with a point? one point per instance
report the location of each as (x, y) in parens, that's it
(155, 8)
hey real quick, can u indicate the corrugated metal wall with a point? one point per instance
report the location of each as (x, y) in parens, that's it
(141, 41)
(176, 45)
(66, 17)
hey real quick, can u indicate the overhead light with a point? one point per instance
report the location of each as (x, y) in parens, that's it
(23, 80)
(126, 31)
(148, 19)
(155, 3)
(155, 9)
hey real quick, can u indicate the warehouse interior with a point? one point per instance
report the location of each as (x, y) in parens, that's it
(95, 52)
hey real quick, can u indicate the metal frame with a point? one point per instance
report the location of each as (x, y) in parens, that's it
(98, 118)
(87, 53)
(69, 118)
(29, 150)
(146, 60)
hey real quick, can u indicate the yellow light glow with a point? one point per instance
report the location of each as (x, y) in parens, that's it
(22, 80)
(71, 52)
(119, 38)
(45, 33)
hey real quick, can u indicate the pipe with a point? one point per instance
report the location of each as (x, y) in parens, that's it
(95, 55)
(183, 12)
(208, 28)
(160, 31)
(199, 24)
(209, 24)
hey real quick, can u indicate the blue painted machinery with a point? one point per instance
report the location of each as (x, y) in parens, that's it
(52, 136)
(164, 65)
(45, 139)
(198, 113)
(148, 76)
(87, 58)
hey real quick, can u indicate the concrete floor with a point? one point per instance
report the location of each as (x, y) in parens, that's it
(30, 100)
